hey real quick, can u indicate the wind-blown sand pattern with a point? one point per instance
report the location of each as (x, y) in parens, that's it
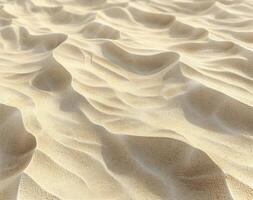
(126, 99)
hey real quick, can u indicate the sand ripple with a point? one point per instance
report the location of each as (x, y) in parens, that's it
(126, 99)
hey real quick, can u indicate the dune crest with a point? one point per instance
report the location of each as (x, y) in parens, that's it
(126, 100)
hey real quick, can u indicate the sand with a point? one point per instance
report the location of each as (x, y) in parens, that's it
(126, 99)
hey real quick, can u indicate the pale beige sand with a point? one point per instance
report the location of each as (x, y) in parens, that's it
(126, 99)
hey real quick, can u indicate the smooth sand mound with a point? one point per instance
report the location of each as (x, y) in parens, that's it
(126, 100)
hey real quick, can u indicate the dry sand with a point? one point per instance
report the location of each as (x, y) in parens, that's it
(126, 99)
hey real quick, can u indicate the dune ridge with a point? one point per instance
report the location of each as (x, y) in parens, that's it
(126, 100)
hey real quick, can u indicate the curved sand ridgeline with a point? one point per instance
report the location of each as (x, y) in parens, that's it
(120, 99)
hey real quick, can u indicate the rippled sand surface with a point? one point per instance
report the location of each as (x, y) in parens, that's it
(126, 99)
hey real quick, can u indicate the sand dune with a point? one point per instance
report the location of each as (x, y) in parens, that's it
(126, 99)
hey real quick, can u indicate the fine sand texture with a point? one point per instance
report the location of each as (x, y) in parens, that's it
(126, 100)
